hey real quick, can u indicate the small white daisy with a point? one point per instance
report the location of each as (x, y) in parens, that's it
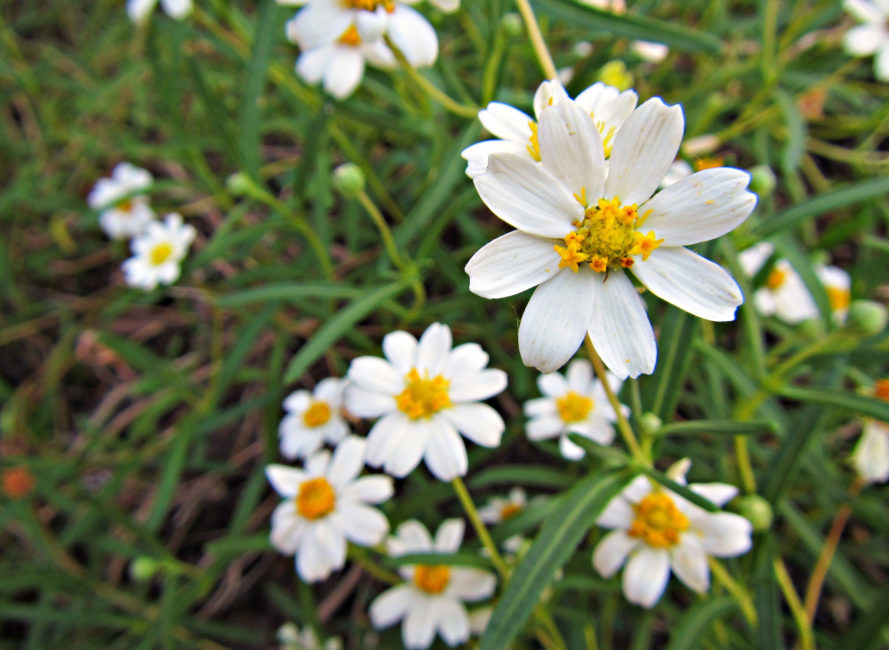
(837, 285)
(581, 225)
(325, 505)
(121, 214)
(871, 455)
(432, 596)
(658, 531)
(312, 419)
(517, 131)
(290, 637)
(784, 294)
(158, 252)
(574, 403)
(424, 394)
(139, 10)
(500, 509)
(650, 51)
(873, 36)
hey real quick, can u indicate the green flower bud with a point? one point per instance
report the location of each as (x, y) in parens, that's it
(756, 510)
(348, 180)
(511, 24)
(762, 180)
(812, 328)
(615, 73)
(143, 568)
(867, 316)
(650, 424)
(238, 184)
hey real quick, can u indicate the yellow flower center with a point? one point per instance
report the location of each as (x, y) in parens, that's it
(708, 163)
(371, 5)
(776, 279)
(432, 578)
(606, 238)
(317, 414)
(881, 389)
(316, 498)
(125, 206)
(838, 298)
(160, 253)
(658, 521)
(422, 396)
(510, 510)
(573, 407)
(350, 37)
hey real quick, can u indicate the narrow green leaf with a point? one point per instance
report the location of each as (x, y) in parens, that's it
(860, 404)
(561, 532)
(865, 631)
(520, 475)
(795, 145)
(663, 389)
(765, 595)
(682, 490)
(695, 623)
(446, 559)
(719, 427)
(604, 452)
(290, 292)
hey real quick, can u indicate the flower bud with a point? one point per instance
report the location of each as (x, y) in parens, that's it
(511, 24)
(238, 184)
(756, 510)
(650, 424)
(867, 316)
(348, 180)
(143, 568)
(762, 180)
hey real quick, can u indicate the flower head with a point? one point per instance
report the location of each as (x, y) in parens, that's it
(500, 509)
(871, 454)
(139, 10)
(784, 293)
(158, 253)
(425, 393)
(431, 598)
(837, 285)
(313, 418)
(517, 131)
(325, 504)
(581, 225)
(574, 403)
(121, 214)
(873, 36)
(290, 637)
(659, 530)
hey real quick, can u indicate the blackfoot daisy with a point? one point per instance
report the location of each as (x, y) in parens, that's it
(158, 253)
(122, 214)
(313, 418)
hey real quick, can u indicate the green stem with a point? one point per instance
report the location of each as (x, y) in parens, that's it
(480, 529)
(378, 572)
(737, 591)
(540, 49)
(386, 234)
(806, 640)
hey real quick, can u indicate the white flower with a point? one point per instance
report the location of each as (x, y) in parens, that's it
(658, 531)
(432, 596)
(785, 294)
(678, 170)
(139, 10)
(122, 215)
(158, 252)
(313, 419)
(837, 285)
(579, 226)
(500, 509)
(651, 52)
(873, 36)
(871, 454)
(575, 403)
(325, 505)
(426, 393)
(517, 131)
(290, 637)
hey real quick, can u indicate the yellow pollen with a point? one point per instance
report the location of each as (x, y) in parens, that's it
(510, 510)
(838, 298)
(607, 237)
(317, 414)
(607, 135)
(350, 37)
(658, 521)
(573, 407)
(125, 206)
(160, 253)
(534, 147)
(316, 498)
(371, 5)
(881, 389)
(432, 578)
(422, 396)
(776, 278)
(708, 163)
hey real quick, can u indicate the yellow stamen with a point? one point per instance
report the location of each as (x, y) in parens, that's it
(881, 389)
(534, 147)
(776, 278)
(316, 498)
(422, 396)
(160, 253)
(509, 510)
(581, 198)
(350, 37)
(125, 206)
(432, 578)
(645, 244)
(371, 5)
(708, 163)
(658, 521)
(838, 298)
(317, 414)
(573, 407)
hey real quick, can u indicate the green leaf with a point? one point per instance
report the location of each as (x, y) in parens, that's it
(796, 132)
(577, 510)
(521, 475)
(865, 631)
(698, 620)
(290, 292)
(629, 26)
(682, 490)
(604, 452)
(860, 404)
(446, 559)
(663, 389)
(336, 327)
(719, 427)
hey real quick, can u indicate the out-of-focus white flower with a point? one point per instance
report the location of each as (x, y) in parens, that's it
(432, 596)
(313, 418)
(837, 285)
(574, 403)
(425, 393)
(581, 224)
(873, 36)
(479, 619)
(325, 505)
(158, 252)
(139, 10)
(502, 508)
(785, 294)
(518, 131)
(871, 454)
(678, 170)
(122, 215)
(290, 637)
(651, 52)
(659, 530)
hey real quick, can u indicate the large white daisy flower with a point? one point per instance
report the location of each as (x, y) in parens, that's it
(873, 36)
(122, 215)
(432, 596)
(517, 131)
(325, 505)
(313, 418)
(574, 403)
(580, 226)
(158, 252)
(139, 10)
(659, 530)
(785, 294)
(426, 393)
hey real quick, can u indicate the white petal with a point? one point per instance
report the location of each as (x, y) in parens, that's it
(138, 10)
(287, 528)
(471, 584)
(434, 348)
(453, 621)
(540, 406)
(612, 552)
(571, 148)
(724, 534)
(285, 480)
(864, 10)
(371, 24)
(620, 329)
(646, 576)
(347, 461)
(691, 282)
(580, 376)
(864, 40)
(445, 453)
(526, 196)
(311, 64)
(549, 93)
(449, 535)
(297, 442)
(753, 258)
(298, 401)
(643, 151)
(478, 422)
(556, 319)
(689, 562)
(418, 628)
(700, 207)
(638, 489)
(400, 349)
(617, 514)
(482, 385)
(403, 458)
(370, 489)
(412, 537)
(511, 264)
(447, 6)
(316, 464)
(547, 426)
(385, 437)
(506, 122)
(367, 403)
(344, 71)
(595, 428)
(361, 524)
(881, 61)
(177, 9)
(391, 606)
(476, 155)
(570, 450)
(465, 361)
(376, 373)
(319, 24)
(717, 493)
(413, 35)
(553, 384)
(378, 54)
(871, 454)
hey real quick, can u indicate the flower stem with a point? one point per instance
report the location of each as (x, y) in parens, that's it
(480, 529)
(540, 49)
(806, 641)
(380, 222)
(626, 431)
(384, 575)
(737, 591)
